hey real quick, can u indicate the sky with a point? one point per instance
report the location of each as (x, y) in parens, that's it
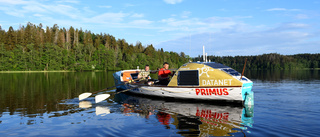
(224, 27)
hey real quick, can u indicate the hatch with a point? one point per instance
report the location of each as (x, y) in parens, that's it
(188, 78)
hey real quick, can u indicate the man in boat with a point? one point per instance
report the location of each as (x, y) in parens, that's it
(144, 74)
(163, 74)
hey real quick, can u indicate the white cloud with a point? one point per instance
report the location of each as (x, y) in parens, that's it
(13, 2)
(277, 9)
(282, 9)
(20, 8)
(35, 8)
(107, 18)
(223, 42)
(140, 22)
(128, 5)
(182, 23)
(197, 25)
(136, 15)
(13, 11)
(172, 1)
(69, 1)
(289, 27)
(302, 16)
(105, 6)
(185, 14)
(38, 15)
(65, 10)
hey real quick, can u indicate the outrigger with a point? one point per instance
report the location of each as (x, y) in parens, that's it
(196, 81)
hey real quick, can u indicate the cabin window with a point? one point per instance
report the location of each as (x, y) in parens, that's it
(188, 78)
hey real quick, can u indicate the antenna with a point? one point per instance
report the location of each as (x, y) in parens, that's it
(203, 54)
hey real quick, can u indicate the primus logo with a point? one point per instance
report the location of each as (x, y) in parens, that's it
(212, 91)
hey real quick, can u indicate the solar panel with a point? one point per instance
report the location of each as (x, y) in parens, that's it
(188, 77)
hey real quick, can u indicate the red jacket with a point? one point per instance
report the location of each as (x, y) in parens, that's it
(164, 73)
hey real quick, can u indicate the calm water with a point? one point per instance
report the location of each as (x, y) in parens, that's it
(46, 104)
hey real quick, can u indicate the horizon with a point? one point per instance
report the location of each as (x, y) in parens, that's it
(225, 28)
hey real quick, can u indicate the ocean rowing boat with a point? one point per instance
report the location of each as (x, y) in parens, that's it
(196, 81)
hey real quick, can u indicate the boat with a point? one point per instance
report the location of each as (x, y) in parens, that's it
(199, 81)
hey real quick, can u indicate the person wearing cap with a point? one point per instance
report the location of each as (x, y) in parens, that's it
(163, 74)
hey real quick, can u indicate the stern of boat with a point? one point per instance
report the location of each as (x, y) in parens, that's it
(118, 81)
(247, 94)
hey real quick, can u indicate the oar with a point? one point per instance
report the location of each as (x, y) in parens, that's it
(244, 67)
(88, 94)
(102, 97)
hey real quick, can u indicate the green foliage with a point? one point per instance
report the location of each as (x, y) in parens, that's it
(272, 61)
(53, 48)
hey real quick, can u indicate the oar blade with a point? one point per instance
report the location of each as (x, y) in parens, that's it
(101, 97)
(102, 110)
(84, 96)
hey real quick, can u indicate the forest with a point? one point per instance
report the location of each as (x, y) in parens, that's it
(34, 48)
(271, 61)
(37, 48)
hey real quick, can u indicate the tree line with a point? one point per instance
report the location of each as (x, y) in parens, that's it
(272, 61)
(33, 47)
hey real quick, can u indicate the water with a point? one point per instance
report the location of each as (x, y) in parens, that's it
(46, 104)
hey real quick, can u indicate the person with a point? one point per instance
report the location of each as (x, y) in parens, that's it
(164, 119)
(145, 73)
(163, 74)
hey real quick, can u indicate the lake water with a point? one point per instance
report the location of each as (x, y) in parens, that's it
(46, 104)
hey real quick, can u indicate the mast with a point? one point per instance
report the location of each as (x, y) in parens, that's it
(203, 54)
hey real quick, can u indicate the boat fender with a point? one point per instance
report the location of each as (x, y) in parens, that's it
(249, 99)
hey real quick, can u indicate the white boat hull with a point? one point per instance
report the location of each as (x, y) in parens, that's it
(197, 81)
(214, 93)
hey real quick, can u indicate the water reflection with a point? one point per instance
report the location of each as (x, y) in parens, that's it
(36, 104)
(280, 75)
(190, 118)
(38, 93)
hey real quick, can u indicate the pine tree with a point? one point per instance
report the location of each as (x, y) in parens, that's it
(11, 39)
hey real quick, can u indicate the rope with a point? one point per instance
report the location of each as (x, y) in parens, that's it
(165, 90)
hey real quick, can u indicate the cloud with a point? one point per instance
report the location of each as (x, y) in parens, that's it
(287, 38)
(293, 25)
(109, 17)
(172, 1)
(282, 9)
(140, 22)
(65, 10)
(198, 25)
(129, 5)
(69, 1)
(38, 15)
(21, 8)
(13, 2)
(136, 15)
(302, 16)
(105, 6)
(185, 14)
(277, 9)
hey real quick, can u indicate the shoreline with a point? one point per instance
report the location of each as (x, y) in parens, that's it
(38, 71)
